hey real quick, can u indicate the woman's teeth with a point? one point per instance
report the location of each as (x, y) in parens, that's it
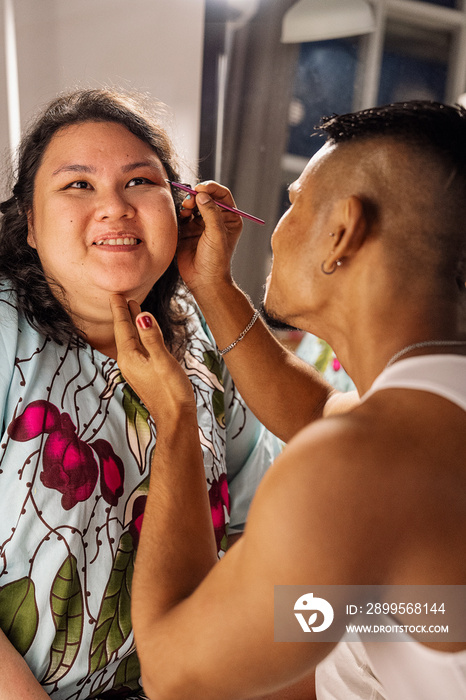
(118, 241)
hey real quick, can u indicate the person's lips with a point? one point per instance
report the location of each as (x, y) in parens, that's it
(117, 238)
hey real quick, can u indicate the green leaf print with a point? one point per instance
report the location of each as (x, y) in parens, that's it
(224, 543)
(218, 404)
(126, 679)
(324, 357)
(137, 427)
(114, 622)
(66, 602)
(212, 363)
(141, 490)
(128, 673)
(18, 613)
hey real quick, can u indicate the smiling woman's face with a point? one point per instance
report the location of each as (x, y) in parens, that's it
(103, 218)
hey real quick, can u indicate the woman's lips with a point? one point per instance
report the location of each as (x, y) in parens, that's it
(118, 241)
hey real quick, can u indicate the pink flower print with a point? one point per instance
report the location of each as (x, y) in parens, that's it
(138, 515)
(69, 464)
(37, 418)
(336, 364)
(111, 472)
(219, 497)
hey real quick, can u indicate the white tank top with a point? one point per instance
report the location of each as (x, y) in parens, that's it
(401, 670)
(408, 670)
(444, 375)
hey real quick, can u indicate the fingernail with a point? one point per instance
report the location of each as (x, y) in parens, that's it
(202, 198)
(188, 196)
(144, 322)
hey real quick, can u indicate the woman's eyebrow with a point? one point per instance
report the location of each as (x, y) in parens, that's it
(142, 164)
(74, 168)
(79, 168)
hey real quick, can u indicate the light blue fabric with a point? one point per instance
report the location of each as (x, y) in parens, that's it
(250, 449)
(76, 448)
(318, 353)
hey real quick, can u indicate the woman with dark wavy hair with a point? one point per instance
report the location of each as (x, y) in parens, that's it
(20, 262)
(91, 214)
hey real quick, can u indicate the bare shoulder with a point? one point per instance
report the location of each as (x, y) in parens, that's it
(348, 490)
(313, 495)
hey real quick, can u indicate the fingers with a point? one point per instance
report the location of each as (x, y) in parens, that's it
(210, 212)
(207, 202)
(150, 334)
(188, 209)
(212, 195)
(146, 365)
(217, 192)
(135, 330)
(134, 309)
(126, 337)
(188, 204)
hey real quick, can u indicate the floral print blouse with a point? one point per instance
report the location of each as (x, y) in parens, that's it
(75, 455)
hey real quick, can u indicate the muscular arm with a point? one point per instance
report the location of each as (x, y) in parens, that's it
(203, 629)
(284, 392)
(16, 678)
(218, 641)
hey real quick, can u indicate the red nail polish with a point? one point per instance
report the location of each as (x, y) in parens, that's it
(144, 322)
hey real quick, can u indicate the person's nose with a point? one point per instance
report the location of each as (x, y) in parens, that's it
(113, 205)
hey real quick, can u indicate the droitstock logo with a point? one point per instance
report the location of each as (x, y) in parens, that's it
(307, 603)
(319, 613)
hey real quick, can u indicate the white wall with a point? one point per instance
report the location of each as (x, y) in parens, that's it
(151, 45)
(3, 103)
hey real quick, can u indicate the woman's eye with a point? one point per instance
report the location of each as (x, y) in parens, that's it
(78, 185)
(139, 181)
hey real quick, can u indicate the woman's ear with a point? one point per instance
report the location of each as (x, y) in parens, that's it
(31, 239)
(350, 225)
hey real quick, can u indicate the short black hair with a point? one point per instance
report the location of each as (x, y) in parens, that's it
(437, 126)
(437, 133)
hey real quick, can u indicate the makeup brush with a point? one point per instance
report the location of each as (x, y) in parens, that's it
(185, 188)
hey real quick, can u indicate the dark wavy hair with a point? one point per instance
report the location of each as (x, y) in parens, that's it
(20, 264)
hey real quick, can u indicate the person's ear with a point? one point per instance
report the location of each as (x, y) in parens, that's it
(350, 226)
(31, 239)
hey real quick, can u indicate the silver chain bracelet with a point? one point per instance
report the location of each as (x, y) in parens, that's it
(241, 335)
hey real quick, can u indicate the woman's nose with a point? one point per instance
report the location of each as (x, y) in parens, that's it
(113, 205)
